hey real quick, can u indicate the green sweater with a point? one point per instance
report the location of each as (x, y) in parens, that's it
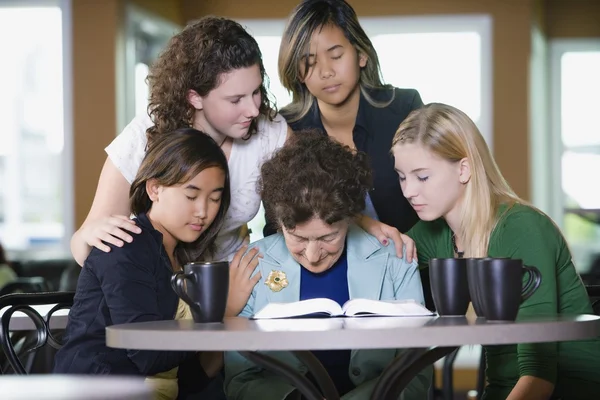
(524, 233)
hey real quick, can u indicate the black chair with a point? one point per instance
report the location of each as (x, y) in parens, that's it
(41, 335)
(593, 292)
(49, 269)
(69, 278)
(31, 284)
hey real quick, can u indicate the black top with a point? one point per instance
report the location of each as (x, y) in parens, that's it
(373, 133)
(128, 284)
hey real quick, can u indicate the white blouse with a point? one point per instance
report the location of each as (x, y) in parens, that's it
(247, 156)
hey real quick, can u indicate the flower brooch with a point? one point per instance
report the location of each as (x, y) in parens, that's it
(276, 280)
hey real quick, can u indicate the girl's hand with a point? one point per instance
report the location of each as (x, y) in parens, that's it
(384, 232)
(113, 230)
(240, 281)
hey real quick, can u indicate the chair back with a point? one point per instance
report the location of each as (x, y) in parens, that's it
(23, 302)
(32, 284)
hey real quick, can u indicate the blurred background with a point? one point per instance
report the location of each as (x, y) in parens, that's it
(72, 76)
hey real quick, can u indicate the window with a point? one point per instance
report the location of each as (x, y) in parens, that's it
(446, 58)
(146, 36)
(35, 144)
(576, 138)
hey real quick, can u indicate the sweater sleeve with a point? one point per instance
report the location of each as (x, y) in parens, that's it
(429, 239)
(531, 236)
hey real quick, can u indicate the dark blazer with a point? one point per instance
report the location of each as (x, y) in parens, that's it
(128, 284)
(373, 133)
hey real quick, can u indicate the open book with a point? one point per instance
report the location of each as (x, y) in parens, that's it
(318, 308)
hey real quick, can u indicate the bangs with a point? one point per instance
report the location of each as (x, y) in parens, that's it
(190, 173)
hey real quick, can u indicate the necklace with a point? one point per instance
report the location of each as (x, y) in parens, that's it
(223, 142)
(460, 254)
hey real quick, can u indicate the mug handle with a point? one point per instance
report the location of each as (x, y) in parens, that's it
(177, 281)
(533, 283)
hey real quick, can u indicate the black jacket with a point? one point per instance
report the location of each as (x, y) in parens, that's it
(128, 284)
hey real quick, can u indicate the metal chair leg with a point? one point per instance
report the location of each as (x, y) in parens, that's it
(404, 368)
(319, 373)
(306, 388)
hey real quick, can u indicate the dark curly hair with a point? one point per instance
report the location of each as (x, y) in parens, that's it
(195, 59)
(314, 176)
(174, 159)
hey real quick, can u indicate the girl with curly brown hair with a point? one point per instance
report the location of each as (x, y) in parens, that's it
(210, 77)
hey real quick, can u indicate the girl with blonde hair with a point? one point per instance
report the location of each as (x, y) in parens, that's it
(467, 208)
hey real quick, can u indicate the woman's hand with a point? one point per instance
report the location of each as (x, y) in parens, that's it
(240, 281)
(112, 229)
(384, 232)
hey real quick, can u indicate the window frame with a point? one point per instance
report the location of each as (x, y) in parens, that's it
(135, 15)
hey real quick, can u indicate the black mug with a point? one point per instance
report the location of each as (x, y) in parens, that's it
(499, 282)
(204, 286)
(474, 288)
(449, 286)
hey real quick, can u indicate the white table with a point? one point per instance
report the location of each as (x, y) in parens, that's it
(427, 338)
(72, 387)
(21, 322)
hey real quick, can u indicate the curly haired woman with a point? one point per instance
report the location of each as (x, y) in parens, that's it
(314, 187)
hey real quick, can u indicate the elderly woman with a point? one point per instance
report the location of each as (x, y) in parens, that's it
(313, 188)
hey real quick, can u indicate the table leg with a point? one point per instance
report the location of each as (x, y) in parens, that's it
(319, 373)
(306, 388)
(404, 368)
(448, 375)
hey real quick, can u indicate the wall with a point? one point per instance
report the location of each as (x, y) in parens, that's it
(167, 9)
(572, 19)
(511, 51)
(96, 27)
(97, 41)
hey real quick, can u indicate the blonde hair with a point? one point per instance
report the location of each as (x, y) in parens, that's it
(308, 17)
(452, 135)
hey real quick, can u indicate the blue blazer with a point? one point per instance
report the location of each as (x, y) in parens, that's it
(374, 272)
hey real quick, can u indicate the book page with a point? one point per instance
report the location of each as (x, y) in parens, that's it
(392, 308)
(306, 308)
